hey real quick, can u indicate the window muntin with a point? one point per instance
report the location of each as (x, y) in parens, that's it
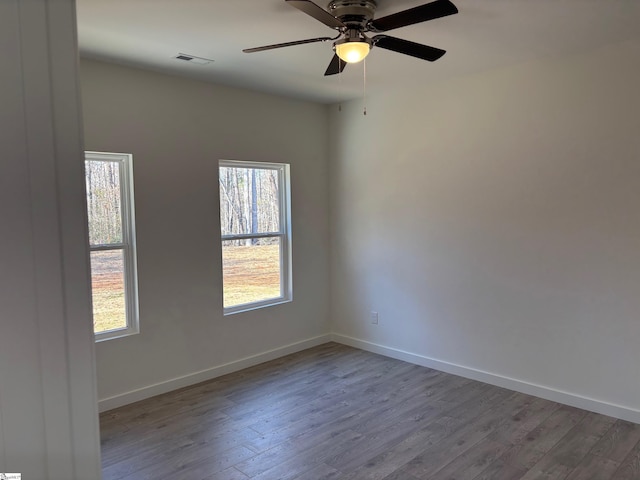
(110, 213)
(255, 234)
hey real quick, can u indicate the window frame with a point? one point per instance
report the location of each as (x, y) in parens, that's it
(127, 246)
(284, 234)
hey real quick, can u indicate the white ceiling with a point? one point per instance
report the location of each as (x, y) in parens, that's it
(485, 34)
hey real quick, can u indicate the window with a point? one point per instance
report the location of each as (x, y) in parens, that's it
(256, 235)
(109, 181)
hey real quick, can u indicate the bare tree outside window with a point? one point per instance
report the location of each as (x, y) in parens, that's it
(111, 243)
(255, 235)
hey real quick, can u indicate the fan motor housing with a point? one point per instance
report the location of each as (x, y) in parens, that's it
(353, 13)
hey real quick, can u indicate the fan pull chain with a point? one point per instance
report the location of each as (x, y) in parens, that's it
(364, 93)
(340, 83)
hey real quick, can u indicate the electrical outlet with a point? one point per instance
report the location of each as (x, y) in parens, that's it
(374, 318)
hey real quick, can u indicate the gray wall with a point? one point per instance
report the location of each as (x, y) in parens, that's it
(48, 408)
(177, 130)
(493, 222)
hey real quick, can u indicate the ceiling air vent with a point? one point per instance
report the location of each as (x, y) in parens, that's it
(185, 57)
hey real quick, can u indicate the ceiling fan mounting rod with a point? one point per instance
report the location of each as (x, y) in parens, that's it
(353, 13)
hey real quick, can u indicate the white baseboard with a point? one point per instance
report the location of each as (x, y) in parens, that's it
(208, 374)
(566, 398)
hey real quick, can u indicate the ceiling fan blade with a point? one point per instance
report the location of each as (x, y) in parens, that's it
(429, 11)
(316, 12)
(286, 44)
(336, 66)
(417, 50)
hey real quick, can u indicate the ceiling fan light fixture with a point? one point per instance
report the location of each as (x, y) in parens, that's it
(352, 51)
(353, 19)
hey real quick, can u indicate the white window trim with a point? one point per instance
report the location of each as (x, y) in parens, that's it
(284, 198)
(128, 245)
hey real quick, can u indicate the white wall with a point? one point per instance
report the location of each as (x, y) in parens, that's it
(48, 408)
(493, 222)
(177, 130)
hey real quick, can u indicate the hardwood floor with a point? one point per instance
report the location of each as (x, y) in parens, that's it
(334, 412)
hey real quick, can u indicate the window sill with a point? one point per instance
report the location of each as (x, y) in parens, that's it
(113, 334)
(255, 306)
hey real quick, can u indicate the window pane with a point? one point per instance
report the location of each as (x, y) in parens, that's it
(249, 200)
(251, 270)
(103, 202)
(107, 284)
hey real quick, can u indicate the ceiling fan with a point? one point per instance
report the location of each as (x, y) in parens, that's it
(354, 18)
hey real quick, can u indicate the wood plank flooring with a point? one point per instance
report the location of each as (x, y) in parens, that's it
(334, 412)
